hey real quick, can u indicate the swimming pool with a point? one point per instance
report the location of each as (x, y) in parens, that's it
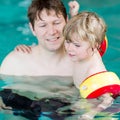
(14, 27)
(58, 99)
(14, 30)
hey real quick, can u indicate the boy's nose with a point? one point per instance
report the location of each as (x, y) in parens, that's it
(69, 46)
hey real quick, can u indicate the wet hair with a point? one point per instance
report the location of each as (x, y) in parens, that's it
(37, 6)
(87, 26)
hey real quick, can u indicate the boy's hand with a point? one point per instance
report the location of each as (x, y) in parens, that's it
(23, 48)
(74, 7)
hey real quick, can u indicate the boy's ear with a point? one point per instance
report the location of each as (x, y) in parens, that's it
(32, 29)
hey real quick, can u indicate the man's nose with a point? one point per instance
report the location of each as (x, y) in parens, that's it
(52, 29)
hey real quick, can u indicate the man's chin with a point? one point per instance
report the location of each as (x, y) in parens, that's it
(54, 49)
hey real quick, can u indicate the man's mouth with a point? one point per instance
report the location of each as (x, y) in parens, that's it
(53, 39)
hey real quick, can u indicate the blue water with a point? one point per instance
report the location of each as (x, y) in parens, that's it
(62, 103)
(14, 30)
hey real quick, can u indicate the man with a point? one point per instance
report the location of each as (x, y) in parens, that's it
(48, 58)
(47, 20)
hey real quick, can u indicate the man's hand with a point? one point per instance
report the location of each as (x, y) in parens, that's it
(3, 106)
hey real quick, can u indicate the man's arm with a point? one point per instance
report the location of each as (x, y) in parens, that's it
(10, 64)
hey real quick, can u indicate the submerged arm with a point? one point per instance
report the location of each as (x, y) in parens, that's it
(106, 102)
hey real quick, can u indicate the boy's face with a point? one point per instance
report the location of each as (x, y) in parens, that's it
(77, 49)
(49, 30)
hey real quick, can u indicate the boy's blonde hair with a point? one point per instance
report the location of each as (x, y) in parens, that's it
(88, 26)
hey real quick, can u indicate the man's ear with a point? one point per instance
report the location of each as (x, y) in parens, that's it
(32, 29)
(67, 18)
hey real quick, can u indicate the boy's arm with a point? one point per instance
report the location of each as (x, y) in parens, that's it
(107, 101)
(74, 8)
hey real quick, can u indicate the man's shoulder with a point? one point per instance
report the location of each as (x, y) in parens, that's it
(14, 56)
(12, 62)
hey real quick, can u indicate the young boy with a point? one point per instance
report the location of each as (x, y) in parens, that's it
(83, 36)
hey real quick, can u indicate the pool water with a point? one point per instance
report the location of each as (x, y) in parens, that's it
(14, 30)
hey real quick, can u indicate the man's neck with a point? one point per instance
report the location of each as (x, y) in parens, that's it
(55, 56)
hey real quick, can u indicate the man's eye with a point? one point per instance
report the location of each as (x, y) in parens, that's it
(42, 25)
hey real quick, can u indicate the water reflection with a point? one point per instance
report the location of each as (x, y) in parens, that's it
(40, 87)
(34, 97)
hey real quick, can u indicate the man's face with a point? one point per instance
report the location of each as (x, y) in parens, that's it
(49, 30)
